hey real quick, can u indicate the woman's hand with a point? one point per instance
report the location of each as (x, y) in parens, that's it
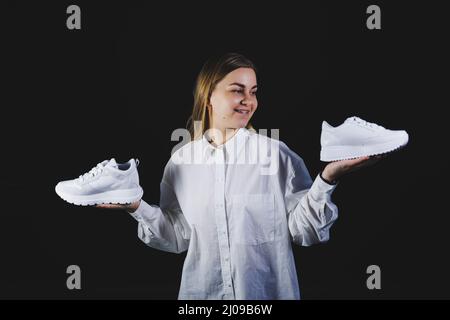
(130, 208)
(335, 170)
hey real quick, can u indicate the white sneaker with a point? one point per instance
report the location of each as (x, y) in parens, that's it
(108, 182)
(358, 138)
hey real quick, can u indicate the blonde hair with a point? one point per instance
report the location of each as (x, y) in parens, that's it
(212, 72)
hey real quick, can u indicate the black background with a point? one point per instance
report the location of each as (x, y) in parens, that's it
(119, 87)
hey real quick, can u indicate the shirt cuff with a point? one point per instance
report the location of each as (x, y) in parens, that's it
(322, 189)
(137, 214)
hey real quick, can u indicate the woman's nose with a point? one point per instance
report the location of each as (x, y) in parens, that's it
(248, 101)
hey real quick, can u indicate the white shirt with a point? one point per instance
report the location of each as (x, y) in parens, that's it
(237, 218)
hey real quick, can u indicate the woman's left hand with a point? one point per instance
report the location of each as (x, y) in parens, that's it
(335, 170)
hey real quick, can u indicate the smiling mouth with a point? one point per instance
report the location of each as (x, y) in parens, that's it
(242, 111)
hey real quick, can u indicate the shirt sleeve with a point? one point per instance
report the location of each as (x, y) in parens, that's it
(163, 227)
(311, 213)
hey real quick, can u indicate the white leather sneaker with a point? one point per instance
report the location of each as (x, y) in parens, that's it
(108, 182)
(358, 138)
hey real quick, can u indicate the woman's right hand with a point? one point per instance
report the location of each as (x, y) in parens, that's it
(130, 208)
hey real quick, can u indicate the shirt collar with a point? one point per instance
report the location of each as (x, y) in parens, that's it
(232, 146)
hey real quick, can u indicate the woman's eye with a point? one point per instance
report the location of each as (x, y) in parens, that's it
(242, 91)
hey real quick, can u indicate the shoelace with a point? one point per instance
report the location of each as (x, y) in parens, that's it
(92, 173)
(367, 124)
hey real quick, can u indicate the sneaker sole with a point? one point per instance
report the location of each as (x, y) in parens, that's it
(329, 154)
(125, 196)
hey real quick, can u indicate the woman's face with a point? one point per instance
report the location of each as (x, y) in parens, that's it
(233, 100)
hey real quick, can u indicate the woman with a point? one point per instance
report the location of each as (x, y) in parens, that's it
(236, 218)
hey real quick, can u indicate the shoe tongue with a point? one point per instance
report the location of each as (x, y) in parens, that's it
(112, 163)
